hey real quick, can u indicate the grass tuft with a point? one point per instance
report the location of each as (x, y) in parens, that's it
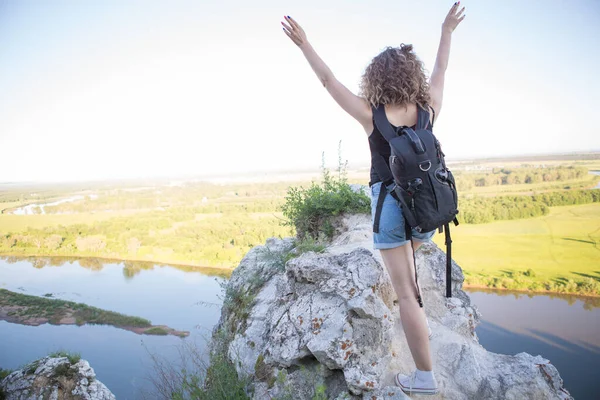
(72, 357)
(5, 372)
(157, 330)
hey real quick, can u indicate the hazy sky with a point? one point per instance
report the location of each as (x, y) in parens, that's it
(107, 89)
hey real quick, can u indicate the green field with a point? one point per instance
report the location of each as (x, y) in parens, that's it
(20, 223)
(560, 246)
(539, 240)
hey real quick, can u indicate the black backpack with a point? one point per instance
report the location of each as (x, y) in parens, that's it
(424, 186)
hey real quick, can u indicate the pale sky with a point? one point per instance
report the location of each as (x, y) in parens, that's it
(124, 89)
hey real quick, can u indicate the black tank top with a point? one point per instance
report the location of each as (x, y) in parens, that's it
(379, 148)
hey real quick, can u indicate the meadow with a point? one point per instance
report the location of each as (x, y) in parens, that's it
(558, 249)
(521, 227)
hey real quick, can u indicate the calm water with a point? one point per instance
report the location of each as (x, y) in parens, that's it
(596, 173)
(562, 329)
(121, 359)
(565, 330)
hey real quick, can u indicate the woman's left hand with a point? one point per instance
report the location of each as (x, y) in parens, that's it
(294, 32)
(454, 17)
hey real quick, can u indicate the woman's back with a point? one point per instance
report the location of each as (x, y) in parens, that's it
(399, 116)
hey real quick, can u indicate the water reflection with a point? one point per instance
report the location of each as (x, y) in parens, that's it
(97, 264)
(588, 303)
(171, 295)
(563, 329)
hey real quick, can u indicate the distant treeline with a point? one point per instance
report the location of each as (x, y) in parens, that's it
(181, 235)
(480, 210)
(521, 175)
(210, 196)
(527, 281)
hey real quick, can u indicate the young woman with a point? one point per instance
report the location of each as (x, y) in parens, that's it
(396, 79)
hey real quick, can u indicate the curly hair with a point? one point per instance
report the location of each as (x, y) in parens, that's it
(395, 76)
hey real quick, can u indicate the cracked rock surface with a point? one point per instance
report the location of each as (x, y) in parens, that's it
(328, 322)
(55, 378)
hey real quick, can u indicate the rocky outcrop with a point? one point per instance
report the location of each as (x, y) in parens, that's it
(54, 378)
(326, 325)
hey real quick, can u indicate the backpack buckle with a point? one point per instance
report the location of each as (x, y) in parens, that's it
(427, 163)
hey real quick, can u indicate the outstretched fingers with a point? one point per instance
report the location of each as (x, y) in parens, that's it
(289, 31)
(453, 9)
(293, 30)
(454, 17)
(293, 22)
(286, 27)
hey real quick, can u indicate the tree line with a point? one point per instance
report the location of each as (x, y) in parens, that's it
(479, 210)
(520, 175)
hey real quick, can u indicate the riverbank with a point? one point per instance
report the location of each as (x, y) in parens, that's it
(58, 260)
(34, 311)
(133, 266)
(593, 298)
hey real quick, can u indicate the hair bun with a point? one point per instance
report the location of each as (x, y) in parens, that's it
(406, 48)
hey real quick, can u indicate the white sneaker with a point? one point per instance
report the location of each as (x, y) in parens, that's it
(410, 384)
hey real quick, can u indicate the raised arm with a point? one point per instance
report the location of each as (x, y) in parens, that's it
(354, 105)
(436, 85)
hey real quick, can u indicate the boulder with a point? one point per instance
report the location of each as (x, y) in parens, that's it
(327, 325)
(54, 378)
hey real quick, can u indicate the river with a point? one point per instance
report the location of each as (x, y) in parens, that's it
(121, 359)
(563, 329)
(32, 209)
(596, 173)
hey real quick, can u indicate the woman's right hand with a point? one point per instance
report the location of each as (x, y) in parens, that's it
(294, 32)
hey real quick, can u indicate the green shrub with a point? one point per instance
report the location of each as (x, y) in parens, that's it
(192, 377)
(4, 373)
(73, 357)
(530, 273)
(309, 244)
(320, 392)
(310, 210)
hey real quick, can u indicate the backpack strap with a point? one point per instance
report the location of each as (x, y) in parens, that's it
(422, 118)
(433, 117)
(380, 200)
(385, 128)
(448, 261)
(383, 124)
(383, 171)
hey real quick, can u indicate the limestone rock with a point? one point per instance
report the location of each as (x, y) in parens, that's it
(327, 323)
(55, 378)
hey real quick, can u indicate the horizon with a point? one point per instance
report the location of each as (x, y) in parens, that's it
(245, 176)
(118, 91)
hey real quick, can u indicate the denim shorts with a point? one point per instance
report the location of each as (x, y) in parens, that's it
(391, 225)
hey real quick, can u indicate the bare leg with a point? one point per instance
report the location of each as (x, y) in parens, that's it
(416, 244)
(400, 266)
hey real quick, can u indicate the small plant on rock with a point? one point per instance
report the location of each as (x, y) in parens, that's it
(311, 210)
